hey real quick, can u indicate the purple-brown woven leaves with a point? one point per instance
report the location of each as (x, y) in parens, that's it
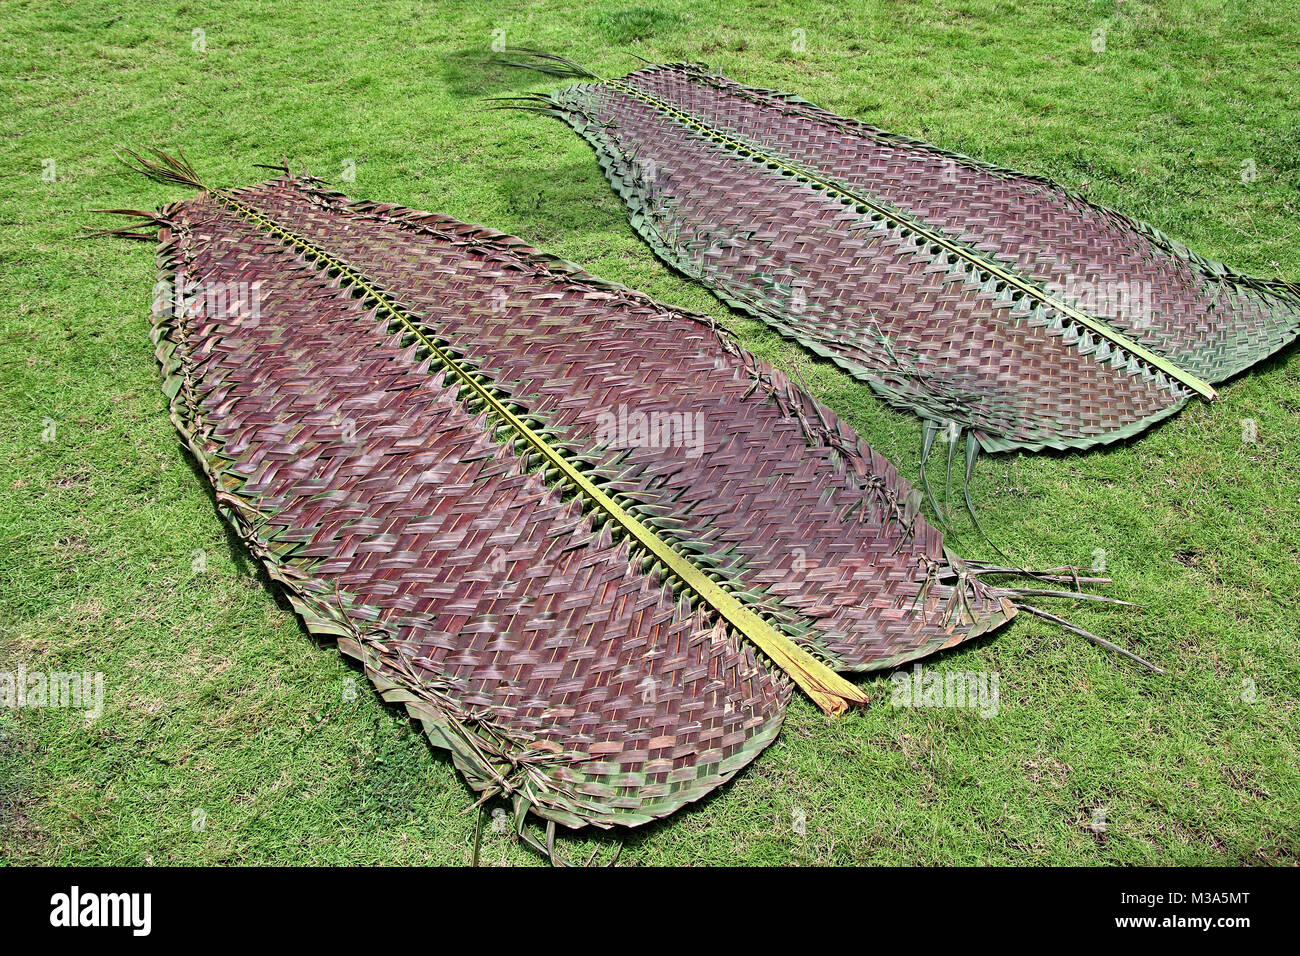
(711, 171)
(527, 643)
(529, 640)
(818, 528)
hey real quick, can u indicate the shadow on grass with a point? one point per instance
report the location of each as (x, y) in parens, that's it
(476, 73)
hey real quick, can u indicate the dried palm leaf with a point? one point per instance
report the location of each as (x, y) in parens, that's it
(415, 424)
(981, 299)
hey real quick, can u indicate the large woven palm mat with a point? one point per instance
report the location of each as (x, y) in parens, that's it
(581, 535)
(977, 297)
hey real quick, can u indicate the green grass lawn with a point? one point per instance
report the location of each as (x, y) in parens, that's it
(229, 735)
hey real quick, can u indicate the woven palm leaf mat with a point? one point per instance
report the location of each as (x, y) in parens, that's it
(442, 443)
(979, 298)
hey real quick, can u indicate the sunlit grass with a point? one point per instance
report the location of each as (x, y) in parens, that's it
(230, 735)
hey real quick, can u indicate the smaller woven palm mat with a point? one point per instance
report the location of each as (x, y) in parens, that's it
(976, 297)
(308, 346)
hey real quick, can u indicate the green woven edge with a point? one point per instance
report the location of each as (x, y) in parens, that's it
(552, 786)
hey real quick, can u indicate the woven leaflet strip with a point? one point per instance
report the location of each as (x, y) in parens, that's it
(529, 640)
(825, 228)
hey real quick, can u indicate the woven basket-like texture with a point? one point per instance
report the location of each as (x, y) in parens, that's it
(714, 175)
(528, 638)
